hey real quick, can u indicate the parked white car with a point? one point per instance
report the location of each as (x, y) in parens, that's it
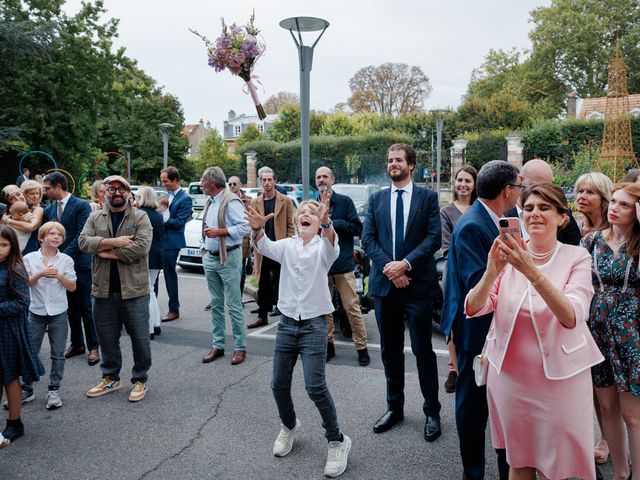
(190, 257)
(197, 195)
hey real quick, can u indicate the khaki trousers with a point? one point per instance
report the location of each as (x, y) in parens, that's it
(346, 285)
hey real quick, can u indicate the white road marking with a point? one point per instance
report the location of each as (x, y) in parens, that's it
(261, 333)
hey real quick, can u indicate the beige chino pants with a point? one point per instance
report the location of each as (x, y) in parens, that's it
(346, 285)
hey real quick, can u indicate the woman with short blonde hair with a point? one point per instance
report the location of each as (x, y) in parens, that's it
(593, 192)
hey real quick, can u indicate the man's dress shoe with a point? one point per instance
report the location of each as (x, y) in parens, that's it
(432, 429)
(388, 420)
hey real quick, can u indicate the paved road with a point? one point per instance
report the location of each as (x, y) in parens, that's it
(218, 421)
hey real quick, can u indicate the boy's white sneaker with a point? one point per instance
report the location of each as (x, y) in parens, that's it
(53, 399)
(337, 457)
(284, 443)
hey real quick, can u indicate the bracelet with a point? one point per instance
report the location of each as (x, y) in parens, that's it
(326, 225)
(538, 281)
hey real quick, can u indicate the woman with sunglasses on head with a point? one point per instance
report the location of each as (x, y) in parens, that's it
(615, 323)
(13, 194)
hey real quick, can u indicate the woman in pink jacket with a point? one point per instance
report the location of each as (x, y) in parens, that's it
(539, 347)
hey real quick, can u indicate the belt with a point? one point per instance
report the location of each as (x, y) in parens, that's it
(217, 254)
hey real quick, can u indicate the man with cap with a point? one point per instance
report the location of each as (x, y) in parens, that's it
(119, 238)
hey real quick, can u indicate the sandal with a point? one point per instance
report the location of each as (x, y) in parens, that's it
(601, 452)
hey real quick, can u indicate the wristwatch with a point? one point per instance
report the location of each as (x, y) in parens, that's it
(326, 225)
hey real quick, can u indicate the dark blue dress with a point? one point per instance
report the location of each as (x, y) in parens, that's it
(18, 357)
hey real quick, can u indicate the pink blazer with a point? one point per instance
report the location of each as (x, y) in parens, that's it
(565, 352)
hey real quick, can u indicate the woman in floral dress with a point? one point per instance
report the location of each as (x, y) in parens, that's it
(615, 324)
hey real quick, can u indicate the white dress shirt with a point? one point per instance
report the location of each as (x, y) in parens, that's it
(492, 214)
(48, 295)
(406, 204)
(64, 201)
(304, 291)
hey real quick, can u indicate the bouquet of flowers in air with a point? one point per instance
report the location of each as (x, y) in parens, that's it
(237, 50)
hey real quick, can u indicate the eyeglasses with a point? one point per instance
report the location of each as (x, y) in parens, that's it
(232, 184)
(120, 189)
(517, 185)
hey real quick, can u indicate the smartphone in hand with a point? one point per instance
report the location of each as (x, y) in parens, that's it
(510, 226)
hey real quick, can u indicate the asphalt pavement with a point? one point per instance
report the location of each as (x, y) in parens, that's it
(218, 421)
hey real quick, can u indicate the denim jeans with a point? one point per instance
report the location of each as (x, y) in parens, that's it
(57, 328)
(308, 338)
(223, 282)
(110, 314)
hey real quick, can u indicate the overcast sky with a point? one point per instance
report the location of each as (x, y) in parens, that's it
(446, 38)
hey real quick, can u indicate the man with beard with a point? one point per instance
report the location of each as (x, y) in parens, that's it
(119, 238)
(72, 213)
(347, 224)
(278, 227)
(401, 234)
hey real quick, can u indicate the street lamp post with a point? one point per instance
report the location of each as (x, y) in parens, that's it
(431, 172)
(304, 24)
(437, 113)
(165, 129)
(127, 151)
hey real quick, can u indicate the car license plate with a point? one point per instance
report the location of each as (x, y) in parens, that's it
(194, 252)
(359, 285)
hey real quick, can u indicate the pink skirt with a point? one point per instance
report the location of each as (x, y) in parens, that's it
(544, 424)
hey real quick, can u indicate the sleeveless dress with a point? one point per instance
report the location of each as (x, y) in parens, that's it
(614, 319)
(18, 356)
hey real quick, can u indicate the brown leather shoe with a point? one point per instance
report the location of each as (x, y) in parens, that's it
(261, 322)
(212, 355)
(238, 357)
(94, 357)
(72, 351)
(169, 317)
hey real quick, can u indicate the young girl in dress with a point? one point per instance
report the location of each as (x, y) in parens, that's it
(17, 353)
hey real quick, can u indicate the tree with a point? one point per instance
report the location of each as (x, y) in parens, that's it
(389, 89)
(275, 102)
(250, 134)
(213, 152)
(287, 127)
(573, 40)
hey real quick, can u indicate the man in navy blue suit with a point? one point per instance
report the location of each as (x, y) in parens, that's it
(498, 191)
(401, 234)
(180, 209)
(72, 213)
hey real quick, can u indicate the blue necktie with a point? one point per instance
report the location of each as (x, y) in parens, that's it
(399, 253)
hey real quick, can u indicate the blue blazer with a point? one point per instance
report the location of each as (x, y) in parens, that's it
(157, 250)
(471, 241)
(74, 216)
(423, 238)
(179, 214)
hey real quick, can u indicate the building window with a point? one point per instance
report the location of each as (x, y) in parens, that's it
(237, 130)
(635, 112)
(595, 116)
(261, 127)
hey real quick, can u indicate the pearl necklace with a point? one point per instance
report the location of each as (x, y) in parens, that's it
(542, 256)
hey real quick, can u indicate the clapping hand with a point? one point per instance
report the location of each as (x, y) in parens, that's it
(255, 220)
(322, 212)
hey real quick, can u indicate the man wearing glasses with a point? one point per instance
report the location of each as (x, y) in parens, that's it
(72, 213)
(120, 288)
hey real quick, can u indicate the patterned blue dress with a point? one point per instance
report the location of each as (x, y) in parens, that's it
(17, 353)
(614, 319)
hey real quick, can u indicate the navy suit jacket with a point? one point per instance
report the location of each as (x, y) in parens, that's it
(471, 241)
(74, 216)
(347, 225)
(423, 237)
(179, 214)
